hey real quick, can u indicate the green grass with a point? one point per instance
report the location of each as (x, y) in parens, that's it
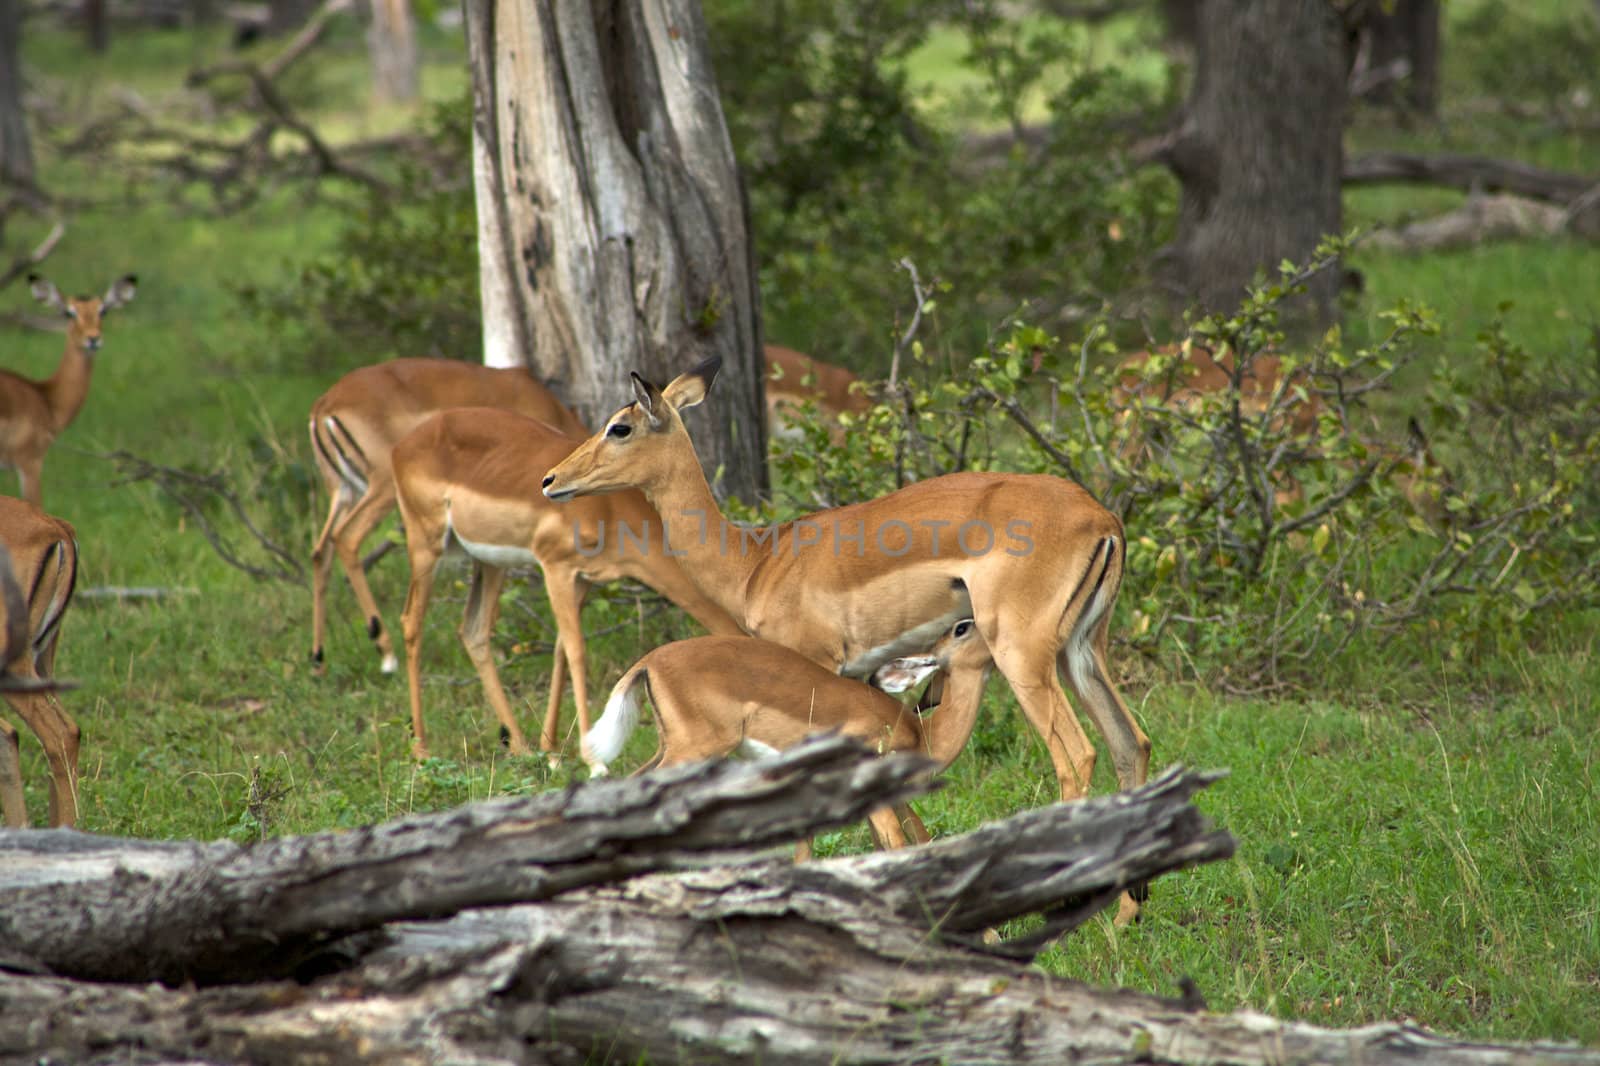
(1423, 849)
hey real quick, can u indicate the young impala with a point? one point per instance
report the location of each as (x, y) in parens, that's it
(42, 570)
(718, 695)
(471, 477)
(34, 413)
(794, 378)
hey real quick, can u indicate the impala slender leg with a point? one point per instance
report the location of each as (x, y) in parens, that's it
(66, 736)
(552, 711)
(321, 571)
(347, 539)
(1030, 667)
(567, 591)
(423, 563)
(477, 626)
(887, 832)
(1091, 682)
(12, 804)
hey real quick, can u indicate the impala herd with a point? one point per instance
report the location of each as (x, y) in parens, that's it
(813, 623)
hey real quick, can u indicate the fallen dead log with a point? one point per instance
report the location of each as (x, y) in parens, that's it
(105, 909)
(1481, 218)
(846, 960)
(1466, 172)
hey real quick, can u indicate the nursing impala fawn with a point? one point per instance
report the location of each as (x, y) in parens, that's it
(719, 695)
(34, 413)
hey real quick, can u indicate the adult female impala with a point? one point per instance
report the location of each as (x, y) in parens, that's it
(34, 413)
(1034, 560)
(471, 477)
(43, 554)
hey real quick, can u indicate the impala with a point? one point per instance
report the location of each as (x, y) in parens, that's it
(471, 477)
(357, 422)
(354, 427)
(34, 413)
(43, 554)
(1033, 559)
(794, 379)
(1195, 372)
(717, 695)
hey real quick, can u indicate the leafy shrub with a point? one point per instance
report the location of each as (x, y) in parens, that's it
(403, 276)
(1230, 574)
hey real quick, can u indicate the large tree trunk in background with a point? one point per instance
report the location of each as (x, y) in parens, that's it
(612, 229)
(1259, 154)
(16, 150)
(1182, 19)
(392, 45)
(1411, 35)
(95, 25)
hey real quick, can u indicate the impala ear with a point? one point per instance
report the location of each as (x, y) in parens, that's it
(901, 675)
(689, 389)
(121, 292)
(45, 291)
(649, 399)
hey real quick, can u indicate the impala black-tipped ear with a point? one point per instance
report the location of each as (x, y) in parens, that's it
(690, 388)
(45, 291)
(648, 397)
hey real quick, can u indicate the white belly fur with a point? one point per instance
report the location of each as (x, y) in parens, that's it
(499, 555)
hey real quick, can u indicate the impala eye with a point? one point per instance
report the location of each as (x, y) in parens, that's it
(962, 628)
(619, 430)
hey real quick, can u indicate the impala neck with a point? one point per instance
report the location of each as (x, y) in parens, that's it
(705, 543)
(68, 387)
(658, 569)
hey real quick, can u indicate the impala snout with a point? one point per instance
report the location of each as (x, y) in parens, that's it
(91, 344)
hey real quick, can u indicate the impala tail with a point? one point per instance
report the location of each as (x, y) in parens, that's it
(605, 741)
(340, 453)
(1098, 594)
(60, 568)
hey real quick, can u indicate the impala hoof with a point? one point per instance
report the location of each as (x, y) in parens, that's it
(598, 769)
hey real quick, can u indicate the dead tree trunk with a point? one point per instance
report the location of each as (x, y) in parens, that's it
(612, 228)
(1259, 150)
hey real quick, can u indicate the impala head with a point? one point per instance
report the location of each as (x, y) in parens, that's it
(84, 312)
(634, 448)
(960, 648)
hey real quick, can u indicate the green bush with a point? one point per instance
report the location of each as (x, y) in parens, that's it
(1262, 548)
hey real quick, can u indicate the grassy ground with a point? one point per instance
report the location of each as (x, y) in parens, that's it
(1416, 841)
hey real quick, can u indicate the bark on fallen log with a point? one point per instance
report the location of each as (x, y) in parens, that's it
(115, 910)
(828, 962)
(1466, 172)
(1481, 218)
(851, 959)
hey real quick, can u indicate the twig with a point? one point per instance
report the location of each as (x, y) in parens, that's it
(191, 492)
(24, 263)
